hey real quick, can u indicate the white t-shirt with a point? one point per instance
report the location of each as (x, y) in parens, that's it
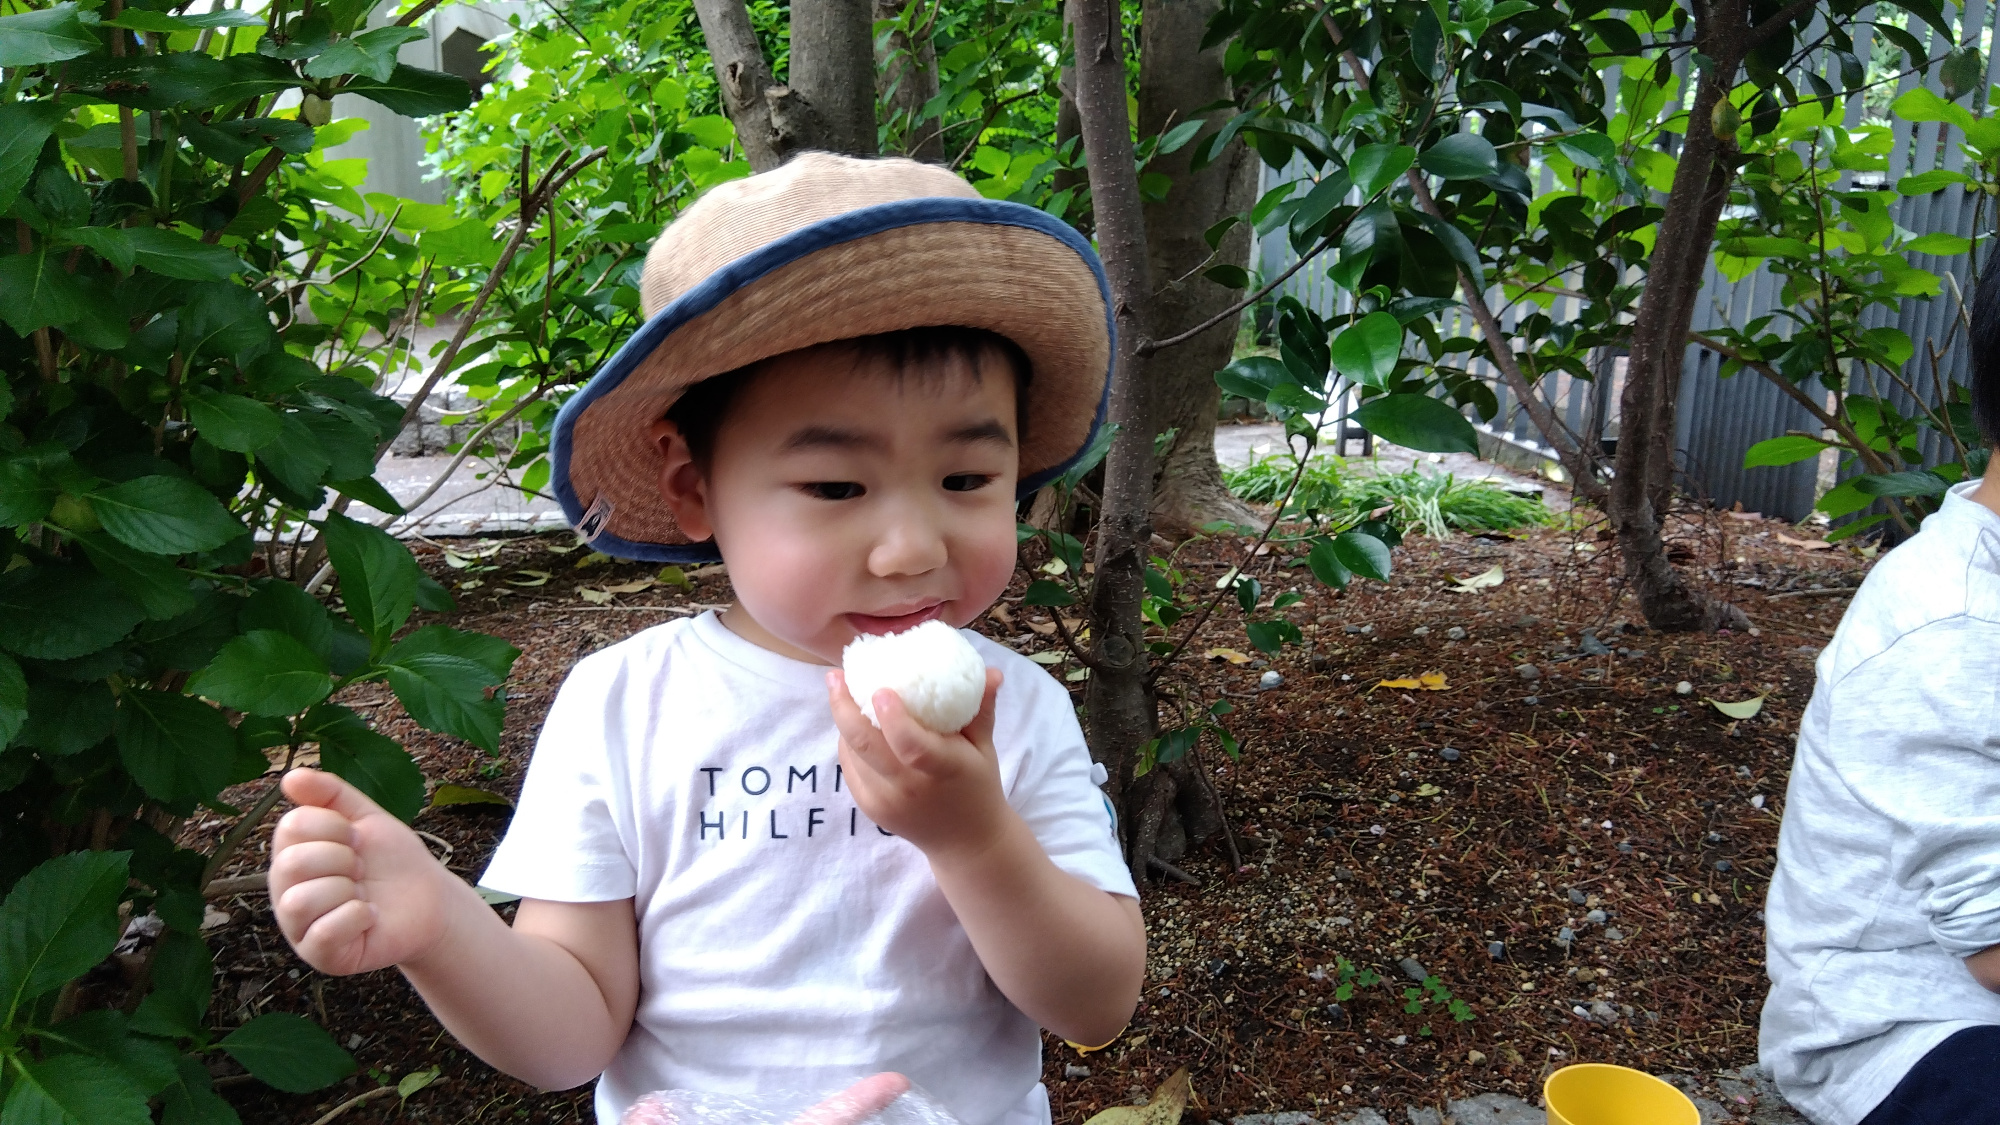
(1888, 872)
(785, 942)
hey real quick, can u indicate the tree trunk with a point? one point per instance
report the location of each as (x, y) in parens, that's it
(1642, 487)
(833, 69)
(906, 79)
(1177, 80)
(830, 102)
(1119, 709)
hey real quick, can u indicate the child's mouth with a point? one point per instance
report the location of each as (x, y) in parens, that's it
(896, 622)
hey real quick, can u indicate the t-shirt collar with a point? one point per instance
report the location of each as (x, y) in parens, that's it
(726, 644)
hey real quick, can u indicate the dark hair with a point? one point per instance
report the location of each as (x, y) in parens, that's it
(1985, 337)
(926, 351)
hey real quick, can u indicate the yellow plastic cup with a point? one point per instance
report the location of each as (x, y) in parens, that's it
(1603, 1094)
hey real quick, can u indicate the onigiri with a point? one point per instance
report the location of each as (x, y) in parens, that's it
(932, 668)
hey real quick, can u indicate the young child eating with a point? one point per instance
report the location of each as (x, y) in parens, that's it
(731, 879)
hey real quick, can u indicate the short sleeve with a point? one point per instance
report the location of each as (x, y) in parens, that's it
(564, 844)
(1055, 790)
(1913, 737)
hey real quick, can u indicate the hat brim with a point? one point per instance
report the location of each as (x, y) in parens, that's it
(980, 263)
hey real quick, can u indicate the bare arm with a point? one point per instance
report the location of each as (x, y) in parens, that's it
(549, 1000)
(1985, 966)
(1070, 956)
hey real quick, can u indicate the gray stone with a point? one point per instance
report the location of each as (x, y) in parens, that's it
(1496, 950)
(1363, 1117)
(1495, 1109)
(1597, 917)
(1454, 634)
(1413, 969)
(1613, 933)
(1528, 672)
(1075, 1071)
(1578, 897)
(1294, 1117)
(1603, 1012)
(1423, 1115)
(1591, 646)
(1724, 866)
(1421, 631)
(1565, 936)
(1712, 1113)
(1449, 754)
(1269, 680)
(1531, 700)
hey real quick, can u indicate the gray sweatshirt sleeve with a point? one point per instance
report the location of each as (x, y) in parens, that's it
(1912, 736)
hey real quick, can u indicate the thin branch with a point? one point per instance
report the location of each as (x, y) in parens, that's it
(466, 447)
(1785, 17)
(1148, 347)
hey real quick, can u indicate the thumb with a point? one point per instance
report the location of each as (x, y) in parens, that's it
(324, 790)
(979, 731)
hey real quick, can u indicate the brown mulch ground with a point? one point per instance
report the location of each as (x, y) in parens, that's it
(1593, 787)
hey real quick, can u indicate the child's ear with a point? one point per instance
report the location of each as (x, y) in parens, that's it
(682, 485)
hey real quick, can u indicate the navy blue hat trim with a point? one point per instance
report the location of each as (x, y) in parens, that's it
(718, 286)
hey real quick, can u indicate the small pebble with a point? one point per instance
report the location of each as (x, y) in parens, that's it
(1683, 688)
(1216, 968)
(1613, 933)
(1578, 897)
(1421, 631)
(1603, 1012)
(1449, 754)
(1714, 837)
(1565, 936)
(1757, 802)
(1591, 646)
(1342, 874)
(1377, 830)
(1269, 680)
(1401, 1041)
(1724, 866)
(1075, 1071)
(1634, 653)
(1336, 1013)
(1454, 633)
(1413, 969)
(1475, 1058)
(1597, 917)
(1531, 700)
(1528, 672)
(355, 1041)
(1624, 847)
(1496, 950)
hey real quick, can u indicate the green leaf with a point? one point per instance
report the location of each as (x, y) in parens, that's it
(1844, 499)
(371, 54)
(1042, 592)
(288, 1052)
(13, 700)
(489, 652)
(1462, 252)
(40, 293)
(448, 692)
(1461, 156)
(1366, 351)
(160, 587)
(67, 717)
(73, 1090)
(1914, 482)
(413, 92)
(1589, 149)
(183, 983)
(1855, 527)
(371, 762)
(1937, 242)
(1782, 451)
(28, 487)
(113, 244)
(170, 253)
(278, 605)
(1325, 564)
(448, 795)
(1921, 104)
(50, 35)
(233, 421)
(470, 243)
(294, 463)
(55, 612)
(192, 1100)
(165, 515)
(1375, 167)
(58, 921)
(378, 578)
(1418, 422)
(24, 128)
(264, 672)
(1960, 72)
(1252, 377)
(1924, 183)
(234, 140)
(369, 491)
(176, 747)
(1363, 554)
(140, 19)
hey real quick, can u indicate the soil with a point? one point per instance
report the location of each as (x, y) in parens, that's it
(1465, 833)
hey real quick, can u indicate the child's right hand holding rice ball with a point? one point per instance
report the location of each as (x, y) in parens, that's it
(919, 758)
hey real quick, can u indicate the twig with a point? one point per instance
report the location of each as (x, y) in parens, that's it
(1835, 592)
(1170, 870)
(1221, 814)
(242, 829)
(364, 1096)
(1148, 347)
(252, 883)
(465, 449)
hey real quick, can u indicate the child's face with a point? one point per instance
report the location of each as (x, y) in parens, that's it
(846, 499)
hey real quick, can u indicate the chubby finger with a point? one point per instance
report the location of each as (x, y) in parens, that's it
(980, 730)
(310, 822)
(319, 788)
(909, 740)
(305, 903)
(314, 859)
(329, 944)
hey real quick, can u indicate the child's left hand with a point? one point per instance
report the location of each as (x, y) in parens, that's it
(940, 792)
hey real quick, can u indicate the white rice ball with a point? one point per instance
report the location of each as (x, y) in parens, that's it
(935, 672)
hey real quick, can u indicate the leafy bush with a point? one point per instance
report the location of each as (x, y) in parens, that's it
(1432, 504)
(197, 315)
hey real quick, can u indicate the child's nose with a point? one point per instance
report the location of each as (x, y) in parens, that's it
(909, 543)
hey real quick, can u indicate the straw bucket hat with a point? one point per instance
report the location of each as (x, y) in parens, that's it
(829, 248)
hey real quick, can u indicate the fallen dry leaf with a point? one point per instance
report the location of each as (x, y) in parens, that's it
(1429, 681)
(592, 595)
(1805, 544)
(1165, 1109)
(632, 587)
(1002, 614)
(1228, 654)
(1045, 628)
(1746, 709)
(1484, 580)
(1746, 517)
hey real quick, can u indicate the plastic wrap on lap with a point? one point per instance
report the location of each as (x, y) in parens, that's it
(882, 1099)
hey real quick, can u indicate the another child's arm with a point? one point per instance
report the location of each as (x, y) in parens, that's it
(549, 1000)
(1985, 966)
(1070, 956)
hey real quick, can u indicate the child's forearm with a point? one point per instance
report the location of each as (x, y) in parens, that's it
(1070, 956)
(549, 1000)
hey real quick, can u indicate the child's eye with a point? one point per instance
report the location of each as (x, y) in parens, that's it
(967, 482)
(833, 489)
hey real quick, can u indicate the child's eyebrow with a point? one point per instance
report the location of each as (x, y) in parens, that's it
(977, 433)
(829, 437)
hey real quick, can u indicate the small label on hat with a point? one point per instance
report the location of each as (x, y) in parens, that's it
(593, 521)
